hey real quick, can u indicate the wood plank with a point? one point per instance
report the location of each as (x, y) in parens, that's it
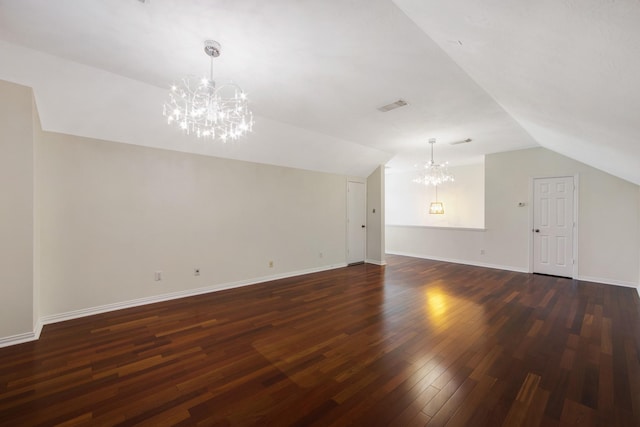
(416, 342)
(521, 404)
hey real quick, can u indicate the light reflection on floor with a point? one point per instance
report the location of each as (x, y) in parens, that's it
(433, 361)
(437, 304)
(443, 338)
(440, 306)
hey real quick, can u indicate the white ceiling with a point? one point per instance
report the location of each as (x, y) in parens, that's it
(510, 75)
(566, 70)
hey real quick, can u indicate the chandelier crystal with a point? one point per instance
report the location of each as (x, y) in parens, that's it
(199, 107)
(432, 172)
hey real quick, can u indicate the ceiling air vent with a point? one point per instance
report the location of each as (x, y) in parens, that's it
(399, 103)
(464, 141)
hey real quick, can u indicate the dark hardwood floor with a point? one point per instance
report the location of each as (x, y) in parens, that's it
(417, 342)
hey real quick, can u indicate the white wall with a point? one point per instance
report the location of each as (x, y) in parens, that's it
(407, 203)
(16, 210)
(112, 214)
(460, 245)
(608, 224)
(375, 216)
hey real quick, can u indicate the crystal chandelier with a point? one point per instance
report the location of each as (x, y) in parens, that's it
(200, 107)
(434, 173)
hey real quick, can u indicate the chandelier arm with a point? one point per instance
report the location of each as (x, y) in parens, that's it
(199, 107)
(433, 173)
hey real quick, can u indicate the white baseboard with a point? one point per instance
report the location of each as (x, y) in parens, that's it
(375, 261)
(45, 320)
(524, 270)
(22, 338)
(75, 314)
(461, 261)
(17, 339)
(180, 294)
(609, 282)
(37, 329)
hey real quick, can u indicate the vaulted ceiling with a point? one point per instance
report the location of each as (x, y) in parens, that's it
(561, 74)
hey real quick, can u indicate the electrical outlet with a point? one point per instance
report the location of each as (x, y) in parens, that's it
(196, 271)
(157, 276)
(481, 251)
(321, 255)
(270, 264)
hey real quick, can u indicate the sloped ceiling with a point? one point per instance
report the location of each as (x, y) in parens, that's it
(568, 71)
(509, 75)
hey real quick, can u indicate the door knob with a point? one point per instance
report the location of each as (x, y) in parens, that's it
(363, 226)
(537, 230)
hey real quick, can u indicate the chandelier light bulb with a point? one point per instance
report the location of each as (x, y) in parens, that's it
(202, 108)
(433, 173)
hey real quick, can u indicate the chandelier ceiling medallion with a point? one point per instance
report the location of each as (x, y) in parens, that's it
(434, 173)
(199, 106)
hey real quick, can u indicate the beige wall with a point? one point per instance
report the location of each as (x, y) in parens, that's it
(608, 220)
(112, 214)
(37, 252)
(86, 223)
(608, 227)
(16, 210)
(375, 216)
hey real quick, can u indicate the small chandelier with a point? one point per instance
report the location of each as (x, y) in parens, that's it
(436, 207)
(433, 173)
(200, 107)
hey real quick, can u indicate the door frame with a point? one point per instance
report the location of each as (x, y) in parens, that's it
(576, 191)
(346, 216)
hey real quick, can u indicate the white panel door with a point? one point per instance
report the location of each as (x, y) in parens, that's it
(553, 226)
(356, 222)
